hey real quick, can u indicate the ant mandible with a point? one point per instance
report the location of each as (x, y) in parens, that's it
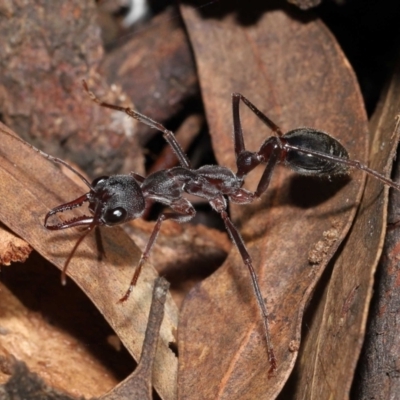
(120, 198)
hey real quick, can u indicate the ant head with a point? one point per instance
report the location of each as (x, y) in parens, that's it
(116, 199)
(112, 200)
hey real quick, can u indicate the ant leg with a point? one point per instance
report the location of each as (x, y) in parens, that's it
(138, 177)
(168, 135)
(246, 161)
(49, 157)
(238, 241)
(78, 242)
(235, 99)
(237, 125)
(184, 212)
(99, 243)
(271, 151)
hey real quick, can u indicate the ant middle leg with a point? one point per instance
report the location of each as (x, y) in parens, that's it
(184, 212)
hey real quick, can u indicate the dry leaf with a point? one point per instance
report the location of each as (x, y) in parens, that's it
(375, 377)
(296, 73)
(157, 74)
(336, 329)
(39, 185)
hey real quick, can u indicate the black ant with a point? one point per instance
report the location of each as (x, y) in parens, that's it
(120, 198)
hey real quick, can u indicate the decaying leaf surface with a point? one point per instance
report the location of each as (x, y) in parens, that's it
(336, 331)
(51, 353)
(39, 185)
(12, 248)
(376, 376)
(294, 71)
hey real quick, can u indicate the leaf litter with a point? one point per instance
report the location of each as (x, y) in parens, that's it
(294, 71)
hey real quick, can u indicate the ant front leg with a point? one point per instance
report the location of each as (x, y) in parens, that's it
(184, 212)
(246, 161)
(219, 205)
(271, 152)
(168, 135)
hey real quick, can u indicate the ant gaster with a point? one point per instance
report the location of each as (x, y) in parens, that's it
(120, 198)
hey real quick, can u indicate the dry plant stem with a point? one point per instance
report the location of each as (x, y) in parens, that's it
(138, 386)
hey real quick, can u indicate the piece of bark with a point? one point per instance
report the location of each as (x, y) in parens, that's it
(24, 384)
(48, 48)
(12, 248)
(58, 358)
(296, 73)
(39, 186)
(155, 68)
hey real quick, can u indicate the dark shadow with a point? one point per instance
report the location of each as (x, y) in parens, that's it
(247, 12)
(306, 191)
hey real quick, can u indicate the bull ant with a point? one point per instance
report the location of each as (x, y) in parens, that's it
(117, 199)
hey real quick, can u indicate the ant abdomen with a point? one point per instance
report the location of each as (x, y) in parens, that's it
(315, 141)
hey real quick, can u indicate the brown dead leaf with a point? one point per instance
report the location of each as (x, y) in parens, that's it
(336, 329)
(39, 185)
(294, 71)
(12, 248)
(376, 376)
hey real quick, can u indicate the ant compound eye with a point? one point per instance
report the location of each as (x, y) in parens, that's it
(98, 180)
(115, 215)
